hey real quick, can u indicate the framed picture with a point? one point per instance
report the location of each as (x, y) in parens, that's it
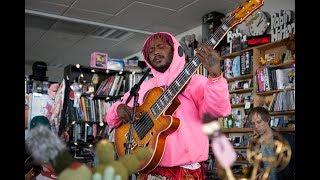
(99, 60)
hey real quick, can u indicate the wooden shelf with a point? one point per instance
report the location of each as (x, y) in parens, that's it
(287, 64)
(249, 130)
(282, 42)
(103, 97)
(241, 162)
(237, 130)
(247, 76)
(236, 53)
(237, 105)
(241, 90)
(275, 44)
(266, 93)
(240, 147)
(107, 98)
(285, 129)
(239, 176)
(87, 69)
(276, 113)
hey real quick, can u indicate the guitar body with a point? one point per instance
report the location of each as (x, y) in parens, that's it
(156, 136)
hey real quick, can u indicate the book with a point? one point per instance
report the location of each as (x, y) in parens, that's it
(236, 66)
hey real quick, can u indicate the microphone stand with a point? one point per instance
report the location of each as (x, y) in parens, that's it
(134, 93)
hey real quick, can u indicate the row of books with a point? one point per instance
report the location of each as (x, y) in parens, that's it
(92, 110)
(133, 79)
(239, 65)
(272, 79)
(84, 133)
(283, 101)
(111, 86)
(236, 119)
(282, 121)
(119, 84)
(241, 84)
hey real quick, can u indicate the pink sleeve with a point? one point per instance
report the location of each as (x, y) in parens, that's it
(216, 100)
(111, 117)
(212, 96)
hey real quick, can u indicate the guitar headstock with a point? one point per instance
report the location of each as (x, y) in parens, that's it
(243, 11)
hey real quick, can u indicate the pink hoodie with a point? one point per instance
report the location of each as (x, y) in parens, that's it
(188, 144)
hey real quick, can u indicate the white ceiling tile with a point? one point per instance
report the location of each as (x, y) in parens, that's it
(139, 15)
(53, 44)
(96, 44)
(188, 18)
(65, 2)
(164, 28)
(80, 52)
(45, 6)
(168, 3)
(72, 28)
(104, 6)
(128, 47)
(32, 35)
(37, 22)
(87, 15)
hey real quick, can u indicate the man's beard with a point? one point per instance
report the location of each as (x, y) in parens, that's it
(163, 68)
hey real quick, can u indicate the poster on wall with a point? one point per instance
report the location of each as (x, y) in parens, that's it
(282, 25)
(40, 105)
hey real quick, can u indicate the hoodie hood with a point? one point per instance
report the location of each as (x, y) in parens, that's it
(176, 66)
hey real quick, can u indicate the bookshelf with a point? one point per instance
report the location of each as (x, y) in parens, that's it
(290, 129)
(259, 98)
(240, 147)
(250, 130)
(237, 130)
(83, 115)
(278, 49)
(283, 65)
(237, 105)
(235, 53)
(277, 113)
(266, 93)
(241, 90)
(107, 98)
(242, 162)
(247, 76)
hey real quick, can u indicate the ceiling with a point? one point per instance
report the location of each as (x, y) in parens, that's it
(58, 41)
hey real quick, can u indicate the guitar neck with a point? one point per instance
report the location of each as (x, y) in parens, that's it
(181, 80)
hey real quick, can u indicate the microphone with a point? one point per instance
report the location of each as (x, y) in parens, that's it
(134, 90)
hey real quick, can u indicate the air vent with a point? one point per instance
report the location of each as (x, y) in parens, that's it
(108, 33)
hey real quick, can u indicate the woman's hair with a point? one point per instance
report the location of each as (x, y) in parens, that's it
(263, 113)
(165, 37)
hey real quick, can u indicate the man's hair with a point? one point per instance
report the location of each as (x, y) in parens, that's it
(163, 36)
(262, 112)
